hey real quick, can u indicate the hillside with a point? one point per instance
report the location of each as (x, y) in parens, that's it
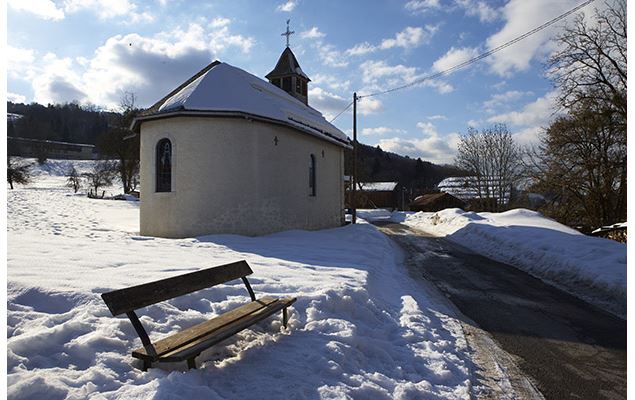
(62, 122)
(376, 165)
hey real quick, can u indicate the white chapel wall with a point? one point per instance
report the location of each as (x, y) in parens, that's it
(229, 176)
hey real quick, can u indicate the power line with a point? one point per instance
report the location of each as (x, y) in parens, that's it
(483, 55)
(475, 59)
(341, 112)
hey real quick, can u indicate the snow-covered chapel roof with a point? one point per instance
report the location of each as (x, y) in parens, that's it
(224, 90)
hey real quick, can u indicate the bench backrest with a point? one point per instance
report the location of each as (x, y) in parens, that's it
(135, 297)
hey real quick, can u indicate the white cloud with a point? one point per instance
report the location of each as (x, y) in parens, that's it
(19, 61)
(330, 55)
(58, 82)
(360, 49)
(15, 98)
(434, 148)
(45, 9)
(437, 117)
(288, 6)
(503, 99)
(333, 82)
(521, 16)
(480, 9)
(421, 6)
(378, 76)
(313, 33)
(380, 131)
(376, 72)
(109, 9)
(537, 113)
(329, 104)
(454, 57)
(369, 105)
(123, 10)
(428, 128)
(529, 135)
(410, 37)
(220, 22)
(147, 66)
(442, 87)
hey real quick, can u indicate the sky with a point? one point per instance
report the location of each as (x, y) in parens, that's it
(94, 51)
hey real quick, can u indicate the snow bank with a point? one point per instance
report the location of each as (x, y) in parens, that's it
(361, 328)
(591, 268)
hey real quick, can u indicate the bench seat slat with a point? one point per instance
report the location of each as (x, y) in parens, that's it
(193, 349)
(193, 340)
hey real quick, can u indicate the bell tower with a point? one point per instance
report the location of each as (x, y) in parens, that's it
(288, 75)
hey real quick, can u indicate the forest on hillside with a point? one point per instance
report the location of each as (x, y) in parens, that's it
(68, 122)
(377, 165)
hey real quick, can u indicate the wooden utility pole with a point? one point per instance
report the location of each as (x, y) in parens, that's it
(354, 193)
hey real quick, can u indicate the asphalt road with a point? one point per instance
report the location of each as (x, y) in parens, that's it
(568, 348)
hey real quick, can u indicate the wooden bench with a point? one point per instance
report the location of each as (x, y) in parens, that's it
(189, 343)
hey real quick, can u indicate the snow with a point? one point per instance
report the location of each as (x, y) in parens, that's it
(591, 268)
(619, 225)
(361, 327)
(226, 88)
(378, 186)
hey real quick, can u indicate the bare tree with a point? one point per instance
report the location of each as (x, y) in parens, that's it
(581, 162)
(121, 143)
(590, 63)
(18, 171)
(493, 159)
(581, 166)
(73, 180)
(101, 175)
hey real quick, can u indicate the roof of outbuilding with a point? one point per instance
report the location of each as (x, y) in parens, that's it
(224, 90)
(287, 64)
(430, 198)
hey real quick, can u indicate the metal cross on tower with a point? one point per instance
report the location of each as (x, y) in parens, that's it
(288, 32)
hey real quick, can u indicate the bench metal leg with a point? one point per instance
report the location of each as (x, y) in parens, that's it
(284, 317)
(146, 364)
(191, 363)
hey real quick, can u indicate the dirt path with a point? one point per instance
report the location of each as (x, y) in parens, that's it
(571, 350)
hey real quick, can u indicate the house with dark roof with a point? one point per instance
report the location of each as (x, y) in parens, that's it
(227, 152)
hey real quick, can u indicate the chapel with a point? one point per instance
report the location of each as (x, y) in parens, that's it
(228, 152)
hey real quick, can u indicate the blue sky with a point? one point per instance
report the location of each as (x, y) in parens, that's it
(93, 51)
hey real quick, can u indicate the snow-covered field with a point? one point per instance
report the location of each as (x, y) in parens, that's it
(591, 268)
(361, 328)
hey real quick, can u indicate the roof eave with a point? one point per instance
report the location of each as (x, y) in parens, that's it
(136, 123)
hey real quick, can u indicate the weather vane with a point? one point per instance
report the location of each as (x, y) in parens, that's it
(288, 32)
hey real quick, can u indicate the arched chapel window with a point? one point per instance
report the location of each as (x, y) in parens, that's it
(312, 176)
(164, 166)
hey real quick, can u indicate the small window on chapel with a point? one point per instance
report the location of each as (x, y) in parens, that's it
(312, 176)
(298, 85)
(164, 166)
(303, 87)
